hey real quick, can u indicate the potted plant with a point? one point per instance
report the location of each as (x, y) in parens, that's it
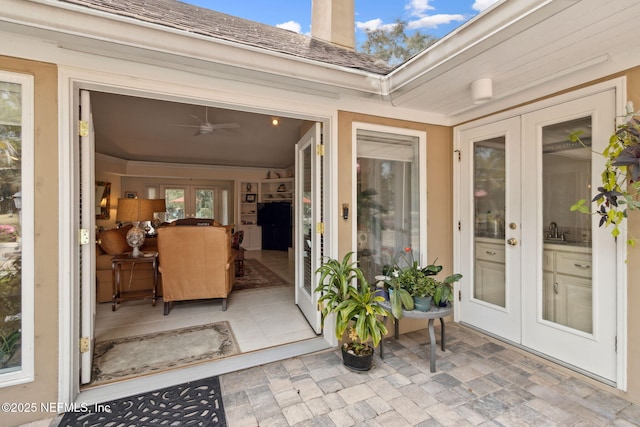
(413, 286)
(347, 294)
(620, 177)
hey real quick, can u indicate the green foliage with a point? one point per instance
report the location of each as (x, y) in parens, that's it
(392, 44)
(8, 347)
(413, 280)
(620, 178)
(346, 292)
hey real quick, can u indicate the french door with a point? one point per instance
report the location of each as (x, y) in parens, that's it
(86, 147)
(536, 273)
(187, 201)
(308, 231)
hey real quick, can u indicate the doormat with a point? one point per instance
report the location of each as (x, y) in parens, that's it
(124, 358)
(256, 276)
(196, 403)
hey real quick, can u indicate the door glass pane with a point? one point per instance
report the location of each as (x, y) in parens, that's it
(566, 178)
(11, 310)
(307, 218)
(175, 203)
(388, 208)
(489, 186)
(204, 203)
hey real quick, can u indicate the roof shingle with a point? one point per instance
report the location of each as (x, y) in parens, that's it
(193, 19)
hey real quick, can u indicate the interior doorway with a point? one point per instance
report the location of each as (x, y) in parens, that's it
(282, 263)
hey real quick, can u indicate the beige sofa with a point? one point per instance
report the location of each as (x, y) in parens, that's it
(113, 242)
(195, 263)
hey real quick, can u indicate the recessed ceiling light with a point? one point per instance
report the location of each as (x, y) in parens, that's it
(275, 122)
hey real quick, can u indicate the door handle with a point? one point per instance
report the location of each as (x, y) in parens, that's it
(512, 241)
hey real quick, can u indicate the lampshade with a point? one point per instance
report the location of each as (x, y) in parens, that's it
(134, 210)
(159, 205)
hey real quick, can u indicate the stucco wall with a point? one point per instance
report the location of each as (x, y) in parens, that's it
(439, 181)
(45, 386)
(633, 272)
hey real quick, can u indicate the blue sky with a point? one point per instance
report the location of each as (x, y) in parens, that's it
(436, 17)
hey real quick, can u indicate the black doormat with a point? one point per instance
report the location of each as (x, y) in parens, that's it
(196, 403)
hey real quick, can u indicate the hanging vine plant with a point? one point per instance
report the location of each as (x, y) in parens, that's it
(618, 192)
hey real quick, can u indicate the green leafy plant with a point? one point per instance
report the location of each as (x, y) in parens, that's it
(346, 292)
(413, 280)
(620, 177)
(8, 347)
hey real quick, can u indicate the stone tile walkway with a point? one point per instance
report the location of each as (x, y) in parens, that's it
(478, 381)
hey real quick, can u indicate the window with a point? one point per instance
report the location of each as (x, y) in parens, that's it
(388, 182)
(16, 229)
(197, 202)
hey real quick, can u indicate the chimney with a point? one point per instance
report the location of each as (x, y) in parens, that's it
(334, 21)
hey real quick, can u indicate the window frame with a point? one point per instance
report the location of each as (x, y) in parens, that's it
(26, 372)
(422, 177)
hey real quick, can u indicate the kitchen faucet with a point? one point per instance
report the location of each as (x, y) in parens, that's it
(553, 230)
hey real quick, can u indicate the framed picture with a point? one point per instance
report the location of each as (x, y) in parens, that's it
(130, 194)
(250, 197)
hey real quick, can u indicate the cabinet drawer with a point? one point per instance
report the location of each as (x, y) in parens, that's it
(490, 252)
(574, 264)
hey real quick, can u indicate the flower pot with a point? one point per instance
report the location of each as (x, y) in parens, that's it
(383, 293)
(357, 362)
(422, 303)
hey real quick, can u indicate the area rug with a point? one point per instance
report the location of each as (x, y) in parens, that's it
(123, 358)
(257, 275)
(196, 403)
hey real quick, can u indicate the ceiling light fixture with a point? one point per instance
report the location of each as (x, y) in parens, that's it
(275, 122)
(482, 90)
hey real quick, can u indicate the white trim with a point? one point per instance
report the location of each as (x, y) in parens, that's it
(619, 85)
(70, 81)
(26, 371)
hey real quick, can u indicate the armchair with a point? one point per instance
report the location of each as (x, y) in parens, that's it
(195, 263)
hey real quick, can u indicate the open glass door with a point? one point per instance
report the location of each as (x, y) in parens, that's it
(87, 250)
(308, 214)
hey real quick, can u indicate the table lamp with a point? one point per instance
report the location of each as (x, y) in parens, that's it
(135, 211)
(159, 207)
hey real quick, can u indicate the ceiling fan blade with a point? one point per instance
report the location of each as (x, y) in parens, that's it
(224, 126)
(185, 126)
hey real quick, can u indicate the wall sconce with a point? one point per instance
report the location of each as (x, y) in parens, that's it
(482, 90)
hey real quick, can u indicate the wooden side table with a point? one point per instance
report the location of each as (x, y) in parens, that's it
(117, 262)
(431, 315)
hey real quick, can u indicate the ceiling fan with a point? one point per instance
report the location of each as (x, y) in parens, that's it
(207, 128)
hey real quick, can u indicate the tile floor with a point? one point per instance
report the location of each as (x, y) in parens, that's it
(478, 381)
(251, 313)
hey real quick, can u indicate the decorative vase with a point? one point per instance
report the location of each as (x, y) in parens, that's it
(422, 303)
(357, 362)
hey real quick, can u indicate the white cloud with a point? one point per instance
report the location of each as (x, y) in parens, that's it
(373, 24)
(291, 26)
(481, 5)
(433, 21)
(418, 7)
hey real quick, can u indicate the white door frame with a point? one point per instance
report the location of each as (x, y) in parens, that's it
(70, 81)
(308, 303)
(619, 85)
